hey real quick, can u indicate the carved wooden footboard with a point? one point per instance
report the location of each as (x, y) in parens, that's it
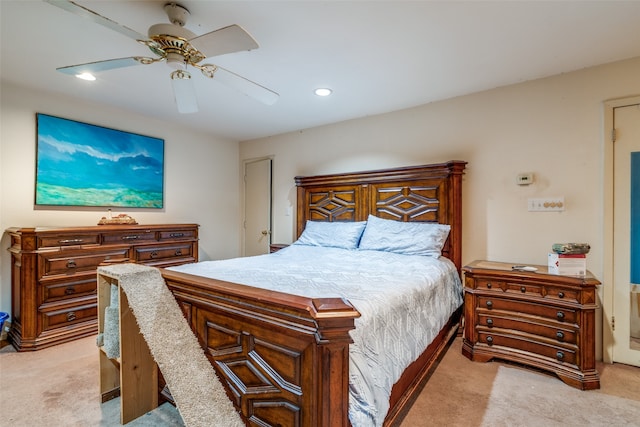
(285, 358)
(281, 355)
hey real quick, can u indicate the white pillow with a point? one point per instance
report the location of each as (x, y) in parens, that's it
(344, 235)
(408, 238)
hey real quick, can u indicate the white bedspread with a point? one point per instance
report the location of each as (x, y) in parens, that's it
(404, 301)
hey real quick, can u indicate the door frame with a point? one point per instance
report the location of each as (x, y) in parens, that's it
(243, 200)
(607, 288)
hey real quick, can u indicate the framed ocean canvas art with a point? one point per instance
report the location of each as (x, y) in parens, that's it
(80, 164)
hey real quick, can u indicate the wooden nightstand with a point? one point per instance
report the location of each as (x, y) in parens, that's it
(538, 319)
(275, 247)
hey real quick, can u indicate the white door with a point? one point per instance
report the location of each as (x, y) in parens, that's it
(626, 235)
(257, 207)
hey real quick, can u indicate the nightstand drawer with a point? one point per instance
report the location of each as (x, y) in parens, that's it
(561, 294)
(564, 354)
(562, 333)
(485, 284)
(524, 289)
(561, 314)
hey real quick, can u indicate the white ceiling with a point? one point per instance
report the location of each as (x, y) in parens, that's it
(377, 56)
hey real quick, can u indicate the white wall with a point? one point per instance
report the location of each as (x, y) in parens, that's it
(201, 176)
(552, 127)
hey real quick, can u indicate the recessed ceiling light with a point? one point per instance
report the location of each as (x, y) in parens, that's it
(86, 76)
(323, 91)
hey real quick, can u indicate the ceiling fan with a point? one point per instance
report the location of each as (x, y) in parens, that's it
(181, 49)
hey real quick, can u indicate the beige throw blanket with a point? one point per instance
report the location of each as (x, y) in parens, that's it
(199, 395)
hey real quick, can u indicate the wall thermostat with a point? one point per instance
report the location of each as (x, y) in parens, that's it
(524, 179)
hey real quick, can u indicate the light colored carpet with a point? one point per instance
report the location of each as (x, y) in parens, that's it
(526, 398)
(195, 388)
(59, 386)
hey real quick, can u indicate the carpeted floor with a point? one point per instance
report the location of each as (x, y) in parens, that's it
(58, 386)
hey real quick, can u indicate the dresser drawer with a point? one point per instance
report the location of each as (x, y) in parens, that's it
(561, 314)
(128, 237)
(177, 234)
(72, 262)
(58, 290)
(55, 318)
(61, 240)
(559, 353)
(150, 254)
(561, 332)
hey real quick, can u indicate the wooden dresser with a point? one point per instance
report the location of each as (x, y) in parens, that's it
(53, 274)
(542, 320)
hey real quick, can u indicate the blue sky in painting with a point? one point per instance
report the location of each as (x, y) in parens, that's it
(79, 156)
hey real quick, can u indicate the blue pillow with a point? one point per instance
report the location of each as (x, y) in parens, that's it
(344, 235)
(408, 238)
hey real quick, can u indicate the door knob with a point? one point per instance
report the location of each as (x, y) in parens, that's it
(265, 232)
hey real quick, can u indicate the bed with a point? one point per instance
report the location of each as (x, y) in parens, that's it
(290, 344)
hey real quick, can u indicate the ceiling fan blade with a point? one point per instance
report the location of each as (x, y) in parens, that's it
(82, 11)
(224, 40)
(246, 86)
(96, 67)
(184, 92)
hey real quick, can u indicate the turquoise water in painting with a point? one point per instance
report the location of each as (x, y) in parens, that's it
(58, 195)
(80, 164)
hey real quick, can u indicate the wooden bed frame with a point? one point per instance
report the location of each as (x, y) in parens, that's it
(285, 358)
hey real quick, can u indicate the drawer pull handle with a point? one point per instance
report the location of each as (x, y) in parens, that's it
(523, 289)
(490, 322)
(71, 316)
(489, 304)
(490, 340)
(560, 294)
(489, 285)
(69, 290)
(560, 335)
(178, 252)
(176, 235)
(70, 241)
(560, 315)
(134, 237)
(560, 355)
(71, 263)
(154, 254)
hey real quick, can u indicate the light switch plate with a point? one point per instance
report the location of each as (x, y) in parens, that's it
(547, 204)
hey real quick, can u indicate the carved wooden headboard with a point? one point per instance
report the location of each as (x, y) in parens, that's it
(428, 193)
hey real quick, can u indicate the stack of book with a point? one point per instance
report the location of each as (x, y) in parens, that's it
(568, 259)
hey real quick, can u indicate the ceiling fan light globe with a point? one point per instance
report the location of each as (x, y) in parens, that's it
(176, 61)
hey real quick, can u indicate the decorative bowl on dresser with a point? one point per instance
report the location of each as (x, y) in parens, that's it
(542, 320)
(53, 274)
